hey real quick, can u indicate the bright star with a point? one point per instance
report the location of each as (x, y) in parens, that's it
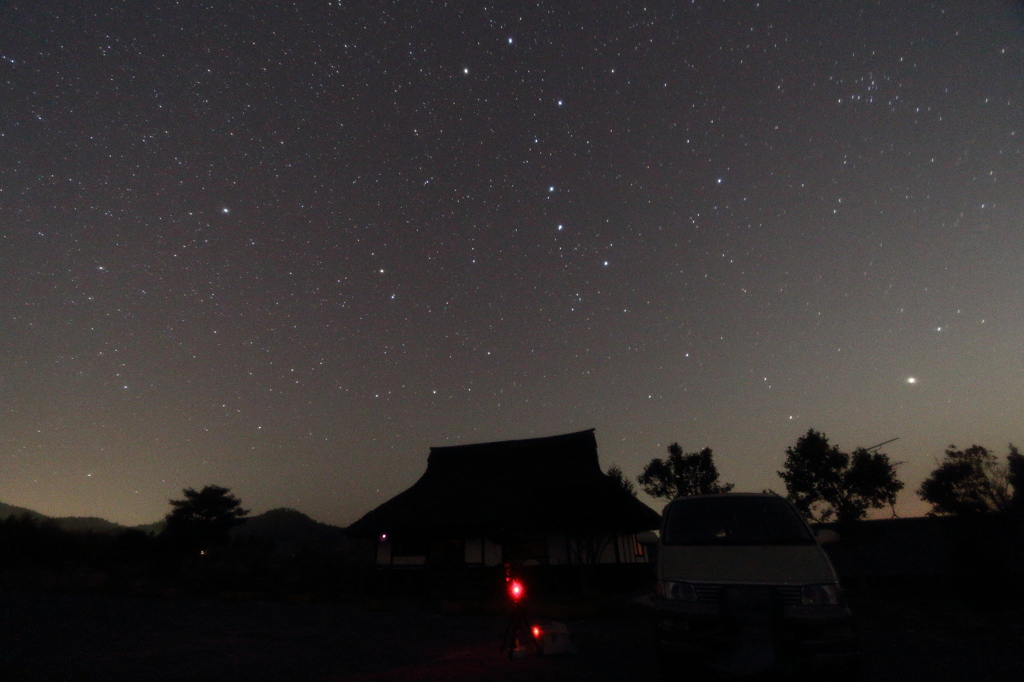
(911, 380)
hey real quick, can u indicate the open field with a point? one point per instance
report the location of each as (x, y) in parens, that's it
(54, 636)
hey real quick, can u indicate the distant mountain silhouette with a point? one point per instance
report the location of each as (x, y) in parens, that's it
(88, 524)
(291, 529)
(286, 528)
(10, 510)
(76, 524)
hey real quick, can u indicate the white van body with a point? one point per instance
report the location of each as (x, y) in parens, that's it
(744, 587)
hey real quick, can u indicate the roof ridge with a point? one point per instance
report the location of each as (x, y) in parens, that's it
(516, 441)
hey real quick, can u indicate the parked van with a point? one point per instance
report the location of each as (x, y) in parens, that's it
(745, 588)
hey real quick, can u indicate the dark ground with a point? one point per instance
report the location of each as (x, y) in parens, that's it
(55, 636)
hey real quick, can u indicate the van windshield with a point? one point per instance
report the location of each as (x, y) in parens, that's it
(735, 520)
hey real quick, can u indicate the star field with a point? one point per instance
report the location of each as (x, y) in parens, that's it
(288, 247)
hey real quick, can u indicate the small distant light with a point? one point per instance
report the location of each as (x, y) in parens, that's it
(509, 41)
(911, 380)
(225, 210)
(465, 70)
(383, 537)
(536, 631)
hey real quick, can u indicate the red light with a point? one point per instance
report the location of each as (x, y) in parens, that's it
(536, 631)
(516, 590)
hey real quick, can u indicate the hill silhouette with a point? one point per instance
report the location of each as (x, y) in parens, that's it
(74, 524)
(7, 510)
(77, 523)
(291, 529)
(286, 528)
(87, 524)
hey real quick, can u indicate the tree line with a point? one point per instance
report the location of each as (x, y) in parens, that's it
(827, 484)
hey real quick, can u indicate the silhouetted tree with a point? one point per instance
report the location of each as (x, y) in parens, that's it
(615, 473)
(825, 482)
(1015, 471)
(204, 518)
(972, 481)
(681, 474)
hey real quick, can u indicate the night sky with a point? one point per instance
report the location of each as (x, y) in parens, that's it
(287, 247)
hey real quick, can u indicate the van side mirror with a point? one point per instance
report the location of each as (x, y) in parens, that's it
(826, 536)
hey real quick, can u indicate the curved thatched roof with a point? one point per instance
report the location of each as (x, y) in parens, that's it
(552, 483)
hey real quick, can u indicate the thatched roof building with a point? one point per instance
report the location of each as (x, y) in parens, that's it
(538, 498)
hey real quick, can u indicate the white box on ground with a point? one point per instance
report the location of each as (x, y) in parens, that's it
(554, 639)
